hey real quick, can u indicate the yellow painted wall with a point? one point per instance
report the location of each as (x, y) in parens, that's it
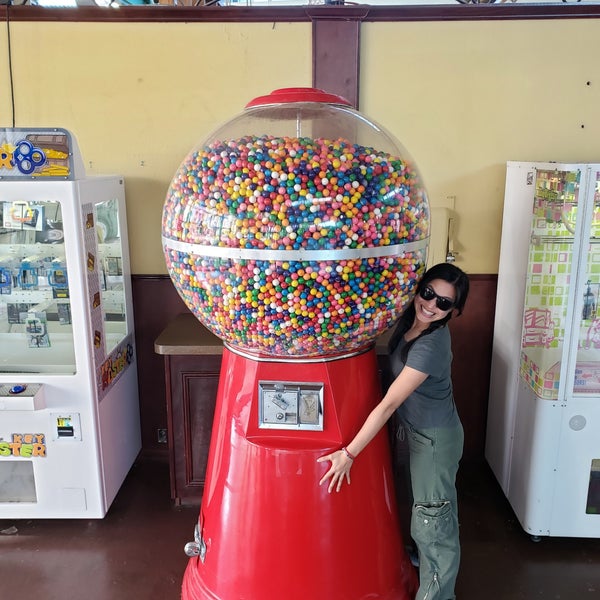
(139, 96)
(462, 97)
(465, 97)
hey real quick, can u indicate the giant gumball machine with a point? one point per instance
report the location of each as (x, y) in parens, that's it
(297, 233)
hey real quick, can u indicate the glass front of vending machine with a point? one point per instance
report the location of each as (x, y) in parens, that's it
(562, 369)
(69, 416)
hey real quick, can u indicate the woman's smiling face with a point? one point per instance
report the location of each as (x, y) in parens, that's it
(427, 311)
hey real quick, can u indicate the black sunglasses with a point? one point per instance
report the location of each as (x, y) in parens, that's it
(441, 302)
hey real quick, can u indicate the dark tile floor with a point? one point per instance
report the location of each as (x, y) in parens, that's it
(136, 551)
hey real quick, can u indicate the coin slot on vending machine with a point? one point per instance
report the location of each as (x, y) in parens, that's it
(66, 426)
(285, 405)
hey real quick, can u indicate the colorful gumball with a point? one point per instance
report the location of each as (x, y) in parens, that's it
(297, 229)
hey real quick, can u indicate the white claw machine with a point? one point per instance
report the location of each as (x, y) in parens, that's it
(69, 416)
(543, 430)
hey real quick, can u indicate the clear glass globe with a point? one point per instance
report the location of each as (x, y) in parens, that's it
(297, 229)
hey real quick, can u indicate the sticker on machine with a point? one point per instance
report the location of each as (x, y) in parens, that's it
(114, 366)
(23, 445)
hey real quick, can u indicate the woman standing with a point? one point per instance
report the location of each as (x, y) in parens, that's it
(420, 359)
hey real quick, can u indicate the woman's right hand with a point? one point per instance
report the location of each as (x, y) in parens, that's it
(341, 464)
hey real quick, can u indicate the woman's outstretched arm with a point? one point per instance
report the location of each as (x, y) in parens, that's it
(341, 462)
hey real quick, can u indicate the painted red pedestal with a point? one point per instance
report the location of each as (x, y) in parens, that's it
(266, 529)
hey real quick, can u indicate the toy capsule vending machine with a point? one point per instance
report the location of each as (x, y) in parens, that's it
(297, 233)
(69, 422)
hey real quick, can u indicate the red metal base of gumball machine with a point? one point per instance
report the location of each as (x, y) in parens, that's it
(266, 528)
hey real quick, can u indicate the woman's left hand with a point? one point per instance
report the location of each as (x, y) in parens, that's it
(339, 470)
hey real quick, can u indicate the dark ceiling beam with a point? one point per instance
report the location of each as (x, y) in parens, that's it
(261, 14)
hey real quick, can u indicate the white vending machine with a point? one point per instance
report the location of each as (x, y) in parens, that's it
(543, 430)
(69, 410)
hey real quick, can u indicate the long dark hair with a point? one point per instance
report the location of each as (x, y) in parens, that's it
(448, 272)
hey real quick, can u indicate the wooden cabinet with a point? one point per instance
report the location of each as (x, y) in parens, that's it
(192, 365)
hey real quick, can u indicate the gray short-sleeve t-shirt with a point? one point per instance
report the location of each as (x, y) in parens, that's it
(432, 403)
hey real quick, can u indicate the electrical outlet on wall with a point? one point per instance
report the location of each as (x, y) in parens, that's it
(161, 436)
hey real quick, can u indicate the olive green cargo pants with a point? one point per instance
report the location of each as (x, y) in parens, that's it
(434, 457)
